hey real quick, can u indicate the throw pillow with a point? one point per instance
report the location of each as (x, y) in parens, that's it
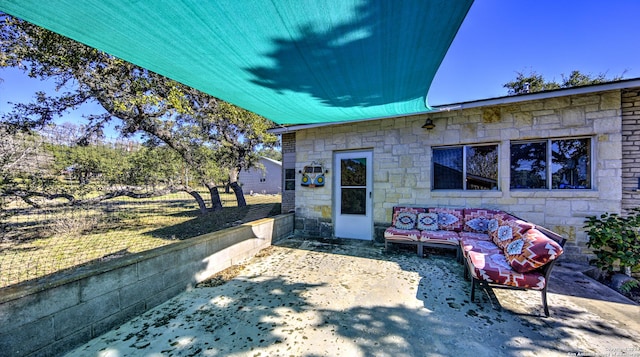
(398, 209)
(492, 227)
(508, 231)
(532, 251)
(406, 220)
(477, 219)
(479, 224)
(449, 219)
(427, 221)
(504, 236)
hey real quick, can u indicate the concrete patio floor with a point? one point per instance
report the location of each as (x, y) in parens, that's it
(314, 298)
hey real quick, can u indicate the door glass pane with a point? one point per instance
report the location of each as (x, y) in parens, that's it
(482, 167)
(528, 165)
(570, 167)
(447, 168)
(353, 172)
(354, 201)
(353, 179)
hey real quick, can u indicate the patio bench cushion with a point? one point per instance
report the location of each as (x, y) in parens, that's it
(474, 235)
(395, 234)
(498, 249)
(494, 268)
(441, 237)
(486, 246)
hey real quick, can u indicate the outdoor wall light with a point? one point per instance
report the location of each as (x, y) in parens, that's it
(428, 124)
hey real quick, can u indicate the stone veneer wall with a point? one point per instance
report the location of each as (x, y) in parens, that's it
(402, 162)
(630, 149)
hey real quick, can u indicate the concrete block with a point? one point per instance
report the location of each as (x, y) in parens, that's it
(75, 318)
(33, 307)
(117, 319)
(164, 295)
(141, 290)
(183, 274)
(101, 284)
(67, 343)
(152, 266)
(29, 338)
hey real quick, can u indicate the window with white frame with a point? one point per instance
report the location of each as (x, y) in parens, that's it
(562, 164)
(468, 167)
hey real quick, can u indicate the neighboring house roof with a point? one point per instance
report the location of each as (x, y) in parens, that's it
(510, 99)
(271, 160)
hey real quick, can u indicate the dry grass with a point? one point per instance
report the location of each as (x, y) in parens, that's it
(44, 242)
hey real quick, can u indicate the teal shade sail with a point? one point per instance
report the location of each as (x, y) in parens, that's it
(292, 61)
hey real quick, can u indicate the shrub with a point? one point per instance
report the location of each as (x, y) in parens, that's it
(615, 240)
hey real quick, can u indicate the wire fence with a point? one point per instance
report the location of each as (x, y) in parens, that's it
(64, 206)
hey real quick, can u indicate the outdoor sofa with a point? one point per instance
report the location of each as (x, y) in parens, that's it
(497, 249)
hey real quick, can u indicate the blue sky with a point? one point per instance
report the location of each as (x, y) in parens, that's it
(497, 39)
(551, 37)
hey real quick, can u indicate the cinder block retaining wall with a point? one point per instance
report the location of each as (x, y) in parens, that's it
(51, 316)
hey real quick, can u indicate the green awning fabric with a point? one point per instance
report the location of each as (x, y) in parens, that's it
(292, 61)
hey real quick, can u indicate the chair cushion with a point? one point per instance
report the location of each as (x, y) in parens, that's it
(468, 244)
(406, 220)
(427, 221)
(494, 268)
(449, 219)
(439, 236)
(474, 235)
(395, 234)
(532, 251)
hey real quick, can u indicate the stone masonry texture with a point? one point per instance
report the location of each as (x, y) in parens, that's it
(402, 153)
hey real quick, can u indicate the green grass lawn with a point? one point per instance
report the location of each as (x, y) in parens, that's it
(41, 242)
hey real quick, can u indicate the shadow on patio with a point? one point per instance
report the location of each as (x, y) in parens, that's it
(315, 298)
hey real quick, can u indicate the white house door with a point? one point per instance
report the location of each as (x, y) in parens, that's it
(353, 204)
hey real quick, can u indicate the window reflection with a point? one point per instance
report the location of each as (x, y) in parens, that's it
(529, 165)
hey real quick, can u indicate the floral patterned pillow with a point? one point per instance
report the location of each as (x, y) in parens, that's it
(405, 220)
(532, 251)
(427, 221)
